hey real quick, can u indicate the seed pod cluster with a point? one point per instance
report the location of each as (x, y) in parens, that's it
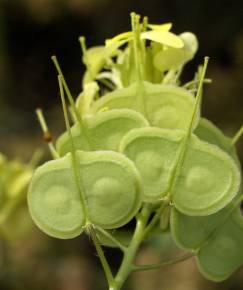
(138, 138)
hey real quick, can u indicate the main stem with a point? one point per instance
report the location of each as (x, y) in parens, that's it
(130, 253)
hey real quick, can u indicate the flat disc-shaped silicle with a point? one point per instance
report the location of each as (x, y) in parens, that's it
(190, 232)
(198, 177)
(105, 191)
(164, 106)
(207, 180)
(54, 199)
(104, 130)
(222, 254)
(153, 151)
(112, 188)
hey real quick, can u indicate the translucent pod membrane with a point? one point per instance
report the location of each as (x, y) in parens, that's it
(195, 233)
(107, 193)
(105, 130)
(164, 106)
(154, 153)
(54, 199)
(209, 179)
(222, 254)
(199, 178)
(113, 190)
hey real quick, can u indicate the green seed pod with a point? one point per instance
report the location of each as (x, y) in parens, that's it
(164, 106)
(105, 130)
(153, 151)
(208, 180)
(54, 199)
(110, 181)
(222, 254)
(201, 183)
(190, 232)
(63, 199)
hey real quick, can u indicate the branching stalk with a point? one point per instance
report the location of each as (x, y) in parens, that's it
(126, 266)
(237, 135)
(46, 133)
(111, 238)
(163, 264)
(154, 220)
(101, 255)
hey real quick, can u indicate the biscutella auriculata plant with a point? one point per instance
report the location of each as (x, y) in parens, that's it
(138, 148)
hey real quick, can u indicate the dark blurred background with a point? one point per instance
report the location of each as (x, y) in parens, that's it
(33, 30)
